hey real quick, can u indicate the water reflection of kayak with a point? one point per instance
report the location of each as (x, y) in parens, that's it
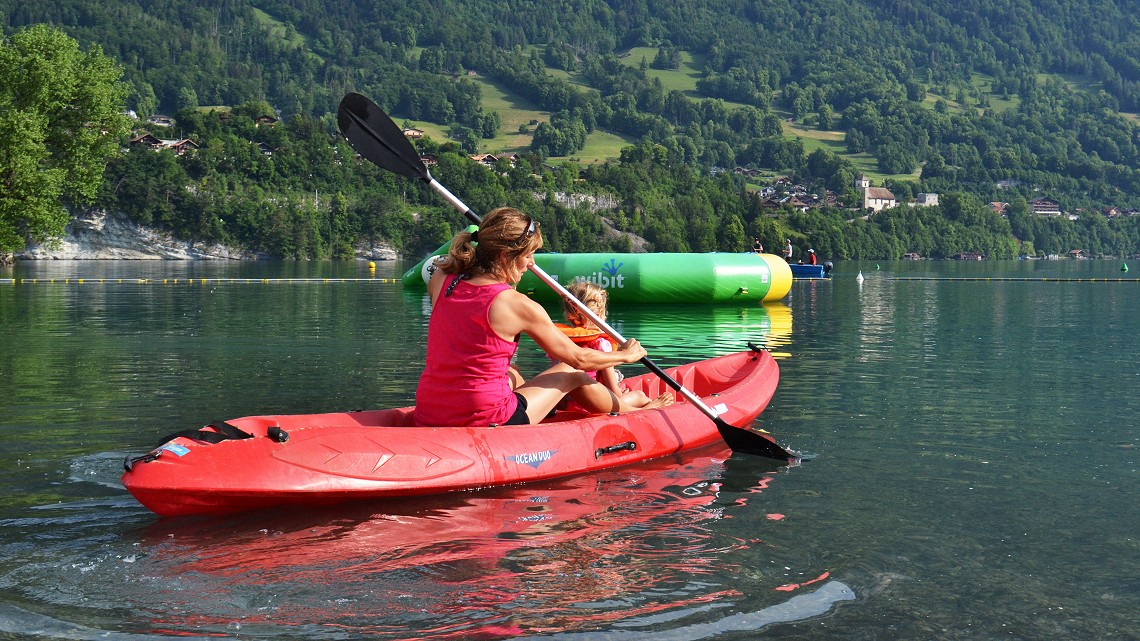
(542, 557)
(315, 459)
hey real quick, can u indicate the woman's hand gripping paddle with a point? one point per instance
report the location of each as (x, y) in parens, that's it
(374, 136)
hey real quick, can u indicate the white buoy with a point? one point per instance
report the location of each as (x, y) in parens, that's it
(859, 277)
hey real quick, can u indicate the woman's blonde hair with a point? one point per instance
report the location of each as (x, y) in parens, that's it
(588, 293)
(504, 233)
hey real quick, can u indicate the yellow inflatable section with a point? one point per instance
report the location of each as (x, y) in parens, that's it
(781, 277)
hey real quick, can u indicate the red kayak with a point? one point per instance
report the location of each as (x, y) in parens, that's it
(318, 459)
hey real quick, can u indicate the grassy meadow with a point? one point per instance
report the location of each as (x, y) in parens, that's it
(516, 111)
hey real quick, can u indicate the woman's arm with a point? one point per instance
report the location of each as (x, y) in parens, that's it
(512, 314)
(435, 284)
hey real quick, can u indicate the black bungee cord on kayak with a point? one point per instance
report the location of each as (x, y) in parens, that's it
(223, 431)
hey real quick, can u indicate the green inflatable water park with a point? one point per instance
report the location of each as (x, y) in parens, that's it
(715, 277)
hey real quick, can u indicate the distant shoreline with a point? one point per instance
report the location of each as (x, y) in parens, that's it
(98, 235)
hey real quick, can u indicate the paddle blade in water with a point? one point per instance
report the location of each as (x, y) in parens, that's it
(749, 442)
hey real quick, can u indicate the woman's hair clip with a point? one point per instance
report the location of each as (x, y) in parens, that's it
(475, 236)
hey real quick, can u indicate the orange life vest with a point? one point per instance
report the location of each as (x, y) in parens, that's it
(585, 335)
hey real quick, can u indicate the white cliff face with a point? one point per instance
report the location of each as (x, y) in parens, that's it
(97, 235)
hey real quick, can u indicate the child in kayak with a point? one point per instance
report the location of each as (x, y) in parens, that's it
(476, 320)
(583, 332)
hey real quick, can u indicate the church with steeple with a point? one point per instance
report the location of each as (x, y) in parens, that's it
(874, 198)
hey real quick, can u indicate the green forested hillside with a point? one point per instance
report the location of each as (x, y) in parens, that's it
(930, 95)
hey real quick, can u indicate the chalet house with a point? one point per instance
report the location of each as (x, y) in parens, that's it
(746, 171)
(999, 207)
(147, 140)
(1110, 212)
(266, 149)
(1045, 207)
(797, 203)
(487, 160)
(794, 202)
(412, 133)
(429, 160)
(180, 147)
(151, 141)
(1077, 253)
(968, 256)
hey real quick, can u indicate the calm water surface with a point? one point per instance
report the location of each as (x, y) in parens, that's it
(975, 473)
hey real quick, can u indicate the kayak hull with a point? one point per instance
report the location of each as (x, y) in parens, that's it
(338, 457)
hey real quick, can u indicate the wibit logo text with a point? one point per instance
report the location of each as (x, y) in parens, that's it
(607, 278)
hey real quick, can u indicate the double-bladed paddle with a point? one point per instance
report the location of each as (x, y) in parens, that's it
(374, 136)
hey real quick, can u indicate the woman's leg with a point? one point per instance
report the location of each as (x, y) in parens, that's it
(516, 378)
(543, 392)
(546, 390)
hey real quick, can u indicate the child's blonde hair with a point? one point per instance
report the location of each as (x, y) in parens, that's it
(592, 295)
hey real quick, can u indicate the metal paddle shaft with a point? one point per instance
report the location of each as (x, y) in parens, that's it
(376, 137)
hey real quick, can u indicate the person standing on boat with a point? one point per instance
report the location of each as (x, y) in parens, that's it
(811, 257)
(757, 246)
(476, 320)
(788, 250)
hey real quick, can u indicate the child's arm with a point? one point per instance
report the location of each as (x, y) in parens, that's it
(609, 378)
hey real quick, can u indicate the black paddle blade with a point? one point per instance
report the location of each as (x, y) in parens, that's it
(746, 441)
(373, 135)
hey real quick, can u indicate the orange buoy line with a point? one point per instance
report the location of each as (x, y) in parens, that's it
(1018, 279)
(189, 281)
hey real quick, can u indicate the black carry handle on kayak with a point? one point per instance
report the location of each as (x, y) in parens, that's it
(374, 135)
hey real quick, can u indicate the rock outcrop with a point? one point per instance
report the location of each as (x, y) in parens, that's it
(98, 235)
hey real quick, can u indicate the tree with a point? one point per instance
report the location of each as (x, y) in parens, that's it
(59, 122)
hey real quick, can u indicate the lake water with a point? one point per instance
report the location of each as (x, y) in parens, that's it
(975, 471)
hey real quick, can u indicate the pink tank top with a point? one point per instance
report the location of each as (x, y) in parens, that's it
(465, 380)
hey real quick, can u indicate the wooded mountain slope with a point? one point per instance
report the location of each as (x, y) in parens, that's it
(937, 95)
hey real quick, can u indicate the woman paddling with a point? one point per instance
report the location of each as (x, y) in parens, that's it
(476, 320)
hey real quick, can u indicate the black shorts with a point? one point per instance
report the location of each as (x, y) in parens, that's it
(519, 417)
